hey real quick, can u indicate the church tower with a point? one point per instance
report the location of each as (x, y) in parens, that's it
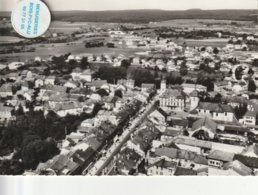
(194, 100)
(163, 86)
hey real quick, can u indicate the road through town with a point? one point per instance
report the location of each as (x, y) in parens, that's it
(115, 148)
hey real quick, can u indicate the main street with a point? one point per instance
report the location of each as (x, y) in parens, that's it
(115, 148)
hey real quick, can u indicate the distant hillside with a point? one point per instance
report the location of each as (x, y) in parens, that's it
(149, 15)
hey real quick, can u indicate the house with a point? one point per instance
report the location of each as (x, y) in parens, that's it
(2, 66)
(76, 73)
(15, 65)
(251, 151)
(181, 171)
(194, 99)
(177, 122)
(215, 111)
(128, 160)
(188, 88)
(163, 86)
(60, 165)
(191, 144)
(158, 119)
(90, 123)
(71, 84)
(219, 87)
(6, 90)
(162, 168)
(86, 75)
(236, 168)
(50, 80)
(39, 83)
(65, 108)
(109, 102)
(5, 113)
(237, 101)
(128, 83)
(143, 97)
(250, 118)
(104, 115)
(204, 128)
(146, 87)
(173, 99)
(217, 158)
(97, 84)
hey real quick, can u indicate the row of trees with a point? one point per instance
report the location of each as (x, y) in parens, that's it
(34, 137)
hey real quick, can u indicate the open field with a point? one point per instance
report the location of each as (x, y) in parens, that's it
(209, 24)
(70, 27)
(202, 42)
(9, 39)
(75, 48)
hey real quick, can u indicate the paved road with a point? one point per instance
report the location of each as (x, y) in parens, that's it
(115, 148)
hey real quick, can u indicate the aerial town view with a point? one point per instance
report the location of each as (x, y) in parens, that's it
(132, 92)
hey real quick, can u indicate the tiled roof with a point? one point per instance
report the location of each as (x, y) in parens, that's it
(174, 93)
(6, 88)
(180, 171)
(192, 142)
(99, 83)
(164, 164)
(238, 167)
(220, 155)
(214, 107)
(148, 85)
(204, 122)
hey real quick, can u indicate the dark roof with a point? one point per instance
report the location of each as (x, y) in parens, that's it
(99, 83)
(128, 159)
(164, 164)
(178, 93)
(178, 122)
(180, 171)
(205, 122)
(214, 107)
(148, 85)
(168, 152)
(93, 143)
(221, 156)
(62, 162)
(236, 128)
(194, 93)
(238, 167)
(192, 142)
(246, 160)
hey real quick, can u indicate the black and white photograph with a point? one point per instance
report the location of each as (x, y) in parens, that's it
(129, 88)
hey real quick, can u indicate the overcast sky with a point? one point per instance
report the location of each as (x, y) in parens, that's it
(6, 5)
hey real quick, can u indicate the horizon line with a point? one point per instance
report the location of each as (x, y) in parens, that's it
(191, 9)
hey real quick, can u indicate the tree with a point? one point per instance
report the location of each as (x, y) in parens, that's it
(240, 111)
(239, 73)
(125, 63)
(218, 98)
(58, 62)
(216, 50)
(251, 86)
(84, 63)
(250, 71)
(36, 151)
(110, 45)
(183, 71)
(119, 93)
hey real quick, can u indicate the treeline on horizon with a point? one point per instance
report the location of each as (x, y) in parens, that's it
(145, 16)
